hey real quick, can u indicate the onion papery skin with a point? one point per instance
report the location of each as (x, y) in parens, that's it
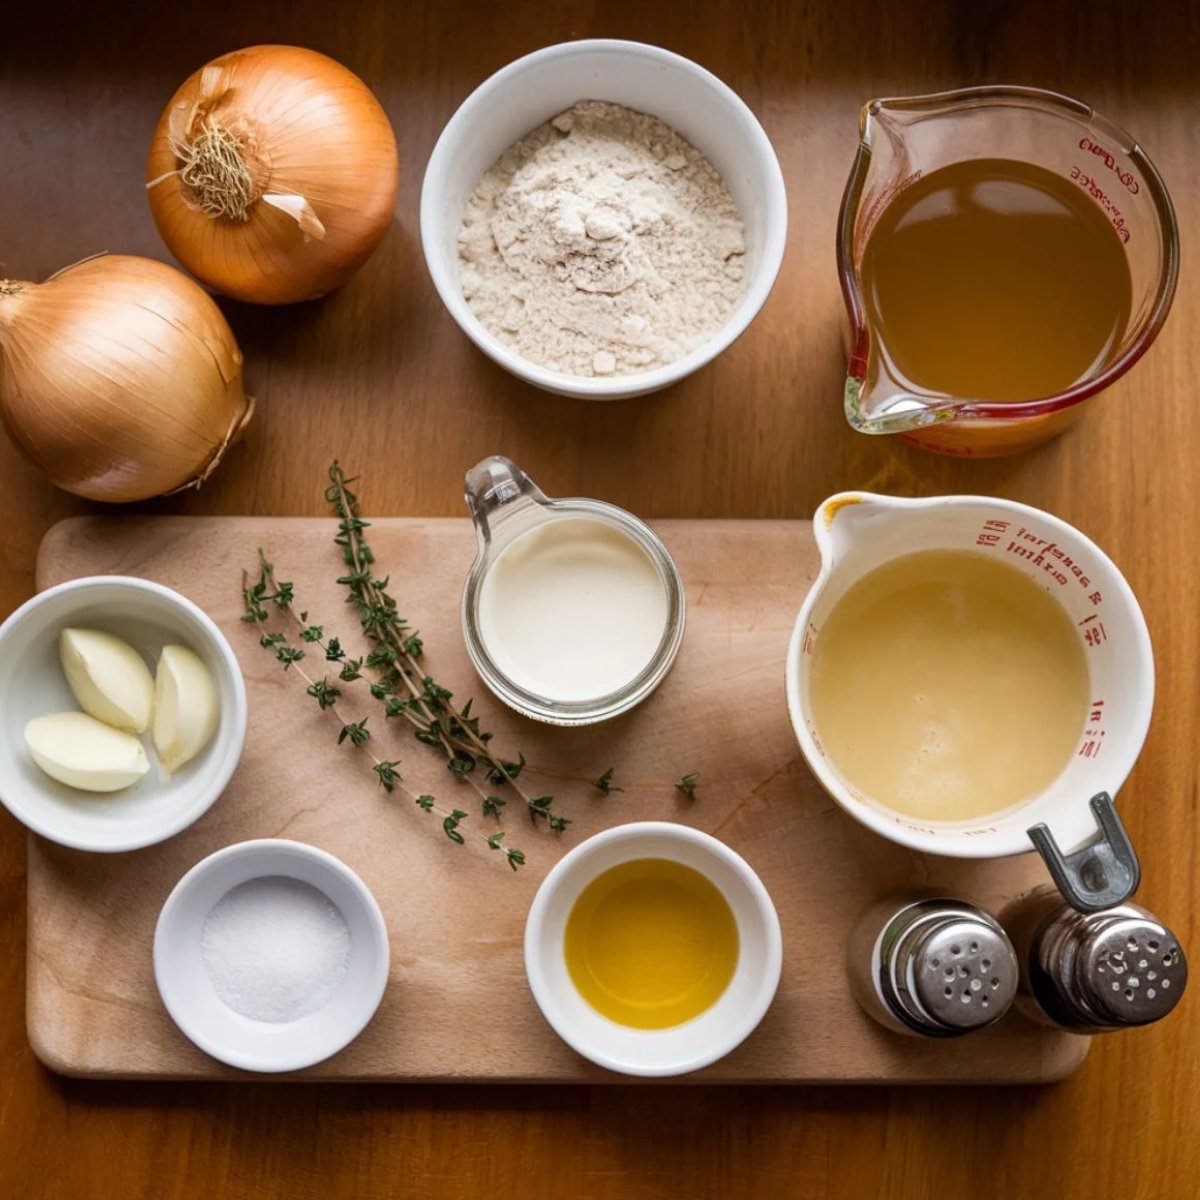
(319, 133)
(119, 378)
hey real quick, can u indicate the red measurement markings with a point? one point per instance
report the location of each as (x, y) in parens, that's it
(916, 828)
(1097, 193)
(812, 733)
(1053, 559)
(1093, 630)
(991, 533)
(1093, 734)
(810, 639)
(1037, 558)
(1110, 161)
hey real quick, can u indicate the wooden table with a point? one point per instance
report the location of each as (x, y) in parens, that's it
(381, 377)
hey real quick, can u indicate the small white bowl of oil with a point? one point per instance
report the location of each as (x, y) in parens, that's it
(653, 949)
(271, 955)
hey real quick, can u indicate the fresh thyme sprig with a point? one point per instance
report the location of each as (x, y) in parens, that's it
(439, 733)
(686, 784)
(605, 782)
(405, 687)
(264, 591)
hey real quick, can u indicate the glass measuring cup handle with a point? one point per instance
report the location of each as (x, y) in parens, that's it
(494, 484)
(1102, 874)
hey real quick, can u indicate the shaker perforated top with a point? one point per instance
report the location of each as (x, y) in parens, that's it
(1131, 970)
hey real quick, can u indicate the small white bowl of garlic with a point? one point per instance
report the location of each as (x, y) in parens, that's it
(124, 713)
(646, 81)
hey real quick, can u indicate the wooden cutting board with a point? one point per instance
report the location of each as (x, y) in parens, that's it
(457, 1006)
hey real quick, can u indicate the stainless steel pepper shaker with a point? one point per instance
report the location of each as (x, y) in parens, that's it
(931, 967)
(1092, 972)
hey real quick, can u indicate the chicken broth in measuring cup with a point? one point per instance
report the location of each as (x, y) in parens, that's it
(997, 280)
(947, 686)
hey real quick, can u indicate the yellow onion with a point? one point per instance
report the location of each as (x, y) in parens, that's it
(119, 378)
(272, 174)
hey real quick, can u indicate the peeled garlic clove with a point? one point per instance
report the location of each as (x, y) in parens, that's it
(85, 753)
(185, 707)
(108, 677)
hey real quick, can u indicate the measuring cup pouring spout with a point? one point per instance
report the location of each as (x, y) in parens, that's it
(1073, 823)
(845, 521)
(904, 139)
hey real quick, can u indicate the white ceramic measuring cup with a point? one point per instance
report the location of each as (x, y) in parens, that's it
(1073, 823)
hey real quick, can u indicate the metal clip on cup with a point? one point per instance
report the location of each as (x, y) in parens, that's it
(1103, 873)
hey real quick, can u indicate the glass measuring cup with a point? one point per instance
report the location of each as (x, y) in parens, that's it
(1071, 823)
(506, 504)
(905, 138)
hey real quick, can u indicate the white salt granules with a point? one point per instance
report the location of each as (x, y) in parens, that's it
(602, 243)
(275, 949)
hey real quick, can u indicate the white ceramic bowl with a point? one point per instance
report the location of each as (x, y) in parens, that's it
(218, 1030)
(681, 1048)
(531, 90)
(148, 616)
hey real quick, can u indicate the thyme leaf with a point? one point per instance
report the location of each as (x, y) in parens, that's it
(605, 782)
(687, 783)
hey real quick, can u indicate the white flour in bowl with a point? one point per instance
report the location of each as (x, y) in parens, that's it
(602, 243)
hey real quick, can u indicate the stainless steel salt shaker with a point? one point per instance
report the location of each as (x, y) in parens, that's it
(931, 967)
(1094, 972)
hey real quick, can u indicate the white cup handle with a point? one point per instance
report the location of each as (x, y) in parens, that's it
(1100, 875)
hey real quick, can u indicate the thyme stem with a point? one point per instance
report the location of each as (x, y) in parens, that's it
(457, 733)
(327, 697)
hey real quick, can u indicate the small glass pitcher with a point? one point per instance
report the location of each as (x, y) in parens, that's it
(903, 139)
(505, 503)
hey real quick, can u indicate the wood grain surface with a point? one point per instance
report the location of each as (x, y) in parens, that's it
(380, 376)
(457, 963)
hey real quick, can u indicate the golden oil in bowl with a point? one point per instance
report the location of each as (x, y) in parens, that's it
(651, 943)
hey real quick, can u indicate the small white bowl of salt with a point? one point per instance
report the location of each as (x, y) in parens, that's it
(271, 955)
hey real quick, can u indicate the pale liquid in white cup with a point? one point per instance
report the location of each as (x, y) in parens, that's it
(948, 686)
